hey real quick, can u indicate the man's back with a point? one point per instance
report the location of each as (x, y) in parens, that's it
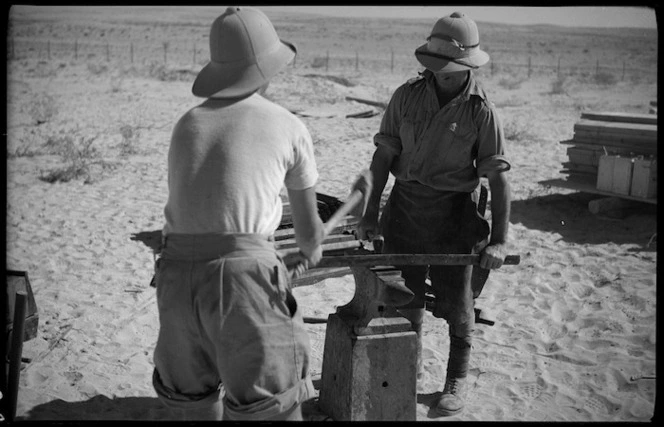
(228, 161)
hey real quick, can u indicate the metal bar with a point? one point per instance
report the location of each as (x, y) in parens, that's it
(408, 259)
(20, 305)
(335, 246)
(333, 238)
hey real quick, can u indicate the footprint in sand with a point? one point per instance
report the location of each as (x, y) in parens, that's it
(562, 311)
(552, 332)
(595, 405)
(530, 391)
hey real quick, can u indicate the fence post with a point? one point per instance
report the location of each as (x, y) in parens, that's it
(131, 52)
(327, 60)
(48, 49)
(529, 71)
(558, 72)
(76, 49)
(391, 60)
(623, 74)
(165, 52)
(108, 53)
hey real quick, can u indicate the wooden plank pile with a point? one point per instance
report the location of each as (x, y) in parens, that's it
(340, 240)
(608, 148)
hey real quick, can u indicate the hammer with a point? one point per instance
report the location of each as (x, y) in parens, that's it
(360, 194)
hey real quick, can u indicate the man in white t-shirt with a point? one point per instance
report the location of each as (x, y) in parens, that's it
(226, 313)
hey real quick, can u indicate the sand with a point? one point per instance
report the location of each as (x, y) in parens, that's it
(575, 332)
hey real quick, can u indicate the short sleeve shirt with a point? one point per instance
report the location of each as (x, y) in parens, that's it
(229, 161)
(446, 148)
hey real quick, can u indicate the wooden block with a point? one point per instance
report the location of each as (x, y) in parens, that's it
(614, 207)
(622, 175)
(582, 168)
(598, 127)
(369, 377)
(582, 156)
(620, 117)
(613, 146)
(605, 173)
(644, 178)
(614, 174)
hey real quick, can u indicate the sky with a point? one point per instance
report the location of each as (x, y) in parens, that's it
(574, 16)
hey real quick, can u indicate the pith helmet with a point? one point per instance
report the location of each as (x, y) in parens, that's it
(454, 45)
(245, 53)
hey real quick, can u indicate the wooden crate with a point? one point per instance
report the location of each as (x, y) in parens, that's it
(644, 178)
(614, 174)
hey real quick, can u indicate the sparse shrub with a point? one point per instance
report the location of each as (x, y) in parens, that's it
(44, 70)
(510, 83)
(130, 135)
(339, 80)
(24, 150)
(558, 86)
(319, 62)
(80, 158)
(605, 78)
(116, 83)
(42, 108)
(514, 131)
(97, 68)
(162, 73)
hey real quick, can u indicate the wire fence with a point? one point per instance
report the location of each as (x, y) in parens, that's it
(187, 55)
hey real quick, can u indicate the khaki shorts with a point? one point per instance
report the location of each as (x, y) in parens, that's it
(227, 317)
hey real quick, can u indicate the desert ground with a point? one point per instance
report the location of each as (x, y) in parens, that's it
(87, 139)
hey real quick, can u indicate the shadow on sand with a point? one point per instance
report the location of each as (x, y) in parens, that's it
(103, 408)
(568, 215)
(100, 408)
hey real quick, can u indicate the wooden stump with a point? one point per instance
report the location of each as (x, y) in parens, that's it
(372, 376)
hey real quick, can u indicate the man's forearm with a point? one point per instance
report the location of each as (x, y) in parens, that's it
(500, 208)
(380, 169)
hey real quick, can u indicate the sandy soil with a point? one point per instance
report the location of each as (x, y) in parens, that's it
(575, 332)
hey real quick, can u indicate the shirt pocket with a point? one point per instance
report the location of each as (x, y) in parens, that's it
(457, 143)
(413, 125)
(407, 132)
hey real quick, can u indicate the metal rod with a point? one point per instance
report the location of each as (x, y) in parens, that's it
(16, 349)
(408, 259)
(334, 246)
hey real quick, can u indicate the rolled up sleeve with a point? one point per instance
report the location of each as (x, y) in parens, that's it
(388, 134)
(491, 146)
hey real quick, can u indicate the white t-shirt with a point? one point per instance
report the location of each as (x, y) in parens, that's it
(227, 163)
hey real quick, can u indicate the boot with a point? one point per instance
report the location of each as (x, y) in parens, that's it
(451, 401)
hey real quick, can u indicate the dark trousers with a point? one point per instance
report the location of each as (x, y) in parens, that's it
(418, 220)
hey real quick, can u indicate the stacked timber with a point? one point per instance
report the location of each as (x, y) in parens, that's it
(604, 133)
(340, 240)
